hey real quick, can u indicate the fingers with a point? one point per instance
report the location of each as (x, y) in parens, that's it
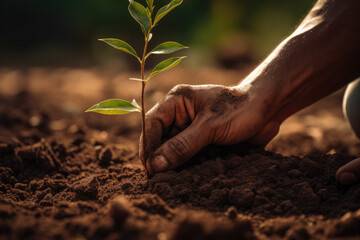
(179, 149)
(165, 120)
(349, 174)
(157, 120)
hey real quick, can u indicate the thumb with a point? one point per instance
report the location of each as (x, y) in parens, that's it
(349, 174)
(178, 149)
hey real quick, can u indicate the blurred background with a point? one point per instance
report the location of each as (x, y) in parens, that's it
(64, 33)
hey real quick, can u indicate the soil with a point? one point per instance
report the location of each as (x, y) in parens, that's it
(69, 175)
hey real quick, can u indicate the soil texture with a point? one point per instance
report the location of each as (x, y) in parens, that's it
(68, 175)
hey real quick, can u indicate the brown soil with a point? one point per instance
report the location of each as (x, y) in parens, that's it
(67, 175)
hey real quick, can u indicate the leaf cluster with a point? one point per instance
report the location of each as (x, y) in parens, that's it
(147, 20)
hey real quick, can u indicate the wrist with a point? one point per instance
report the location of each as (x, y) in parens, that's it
(261, 95)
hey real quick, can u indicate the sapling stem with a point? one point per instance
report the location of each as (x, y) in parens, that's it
(143, 84)
(144, 16)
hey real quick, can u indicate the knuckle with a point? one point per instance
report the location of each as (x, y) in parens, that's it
(179, 88)
(182, 90)
(179, 147)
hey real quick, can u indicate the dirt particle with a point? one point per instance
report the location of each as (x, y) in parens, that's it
(286, 205)
(183, 90)
(3, 188)
(105, 156)
(120, 210)
(294, 173)
(304, 196)
(231, 213)
(47, 200)
(205, 190)
(311, 168)
(219, 196)
(297, 233)
(323, 194)
(276, 226)
(36, 154)
(20, 186)
(6, 211)
(126, 186)
(6, 149)
(86, 187)
(184, 194)
(189, 227)
(241, 197)
(21, 194)
(164, 190)
(39, 195)
(152, 204)
(227, 97)
(347, 226)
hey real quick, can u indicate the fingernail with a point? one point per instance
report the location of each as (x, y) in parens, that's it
(348, 178)
(160, 163)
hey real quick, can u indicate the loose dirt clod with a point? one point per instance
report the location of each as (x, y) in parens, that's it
(120, 210)
(105, 156)
(86, 188)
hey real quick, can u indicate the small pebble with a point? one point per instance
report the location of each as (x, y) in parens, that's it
(105, 156)
(231, 213)
(119, 210)
(294, 173)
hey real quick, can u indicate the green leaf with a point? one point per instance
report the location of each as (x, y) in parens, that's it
(141, 15)
(150, 3)
(120, 45)
(166, 65)
(166, 9)
(167, 47)
(114, 107)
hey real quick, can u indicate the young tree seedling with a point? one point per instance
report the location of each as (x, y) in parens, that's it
(145, 17)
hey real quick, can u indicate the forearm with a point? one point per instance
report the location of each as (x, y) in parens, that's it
(321, 56)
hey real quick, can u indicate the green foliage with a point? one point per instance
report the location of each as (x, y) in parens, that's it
(167, 47)
(150, 4)
(166, 65)
(120, 45)
(115, 107)
(144, 17)
(141, 15)
(166, 9)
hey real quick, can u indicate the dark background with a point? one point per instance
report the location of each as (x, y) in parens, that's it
(50, 32)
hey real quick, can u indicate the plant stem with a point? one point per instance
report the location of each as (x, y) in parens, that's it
(143, 90)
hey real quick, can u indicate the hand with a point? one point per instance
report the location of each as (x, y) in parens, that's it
(349, 173)
(192, 117)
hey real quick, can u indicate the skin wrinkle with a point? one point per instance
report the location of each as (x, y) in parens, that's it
(182, 120)
(153, 144)
(182, 91)
(176, 145)
(225, 135)
(187, 110)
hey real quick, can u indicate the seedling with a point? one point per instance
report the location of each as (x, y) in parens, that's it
(145, 17)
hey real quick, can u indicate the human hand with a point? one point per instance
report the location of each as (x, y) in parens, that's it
(192, 117)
